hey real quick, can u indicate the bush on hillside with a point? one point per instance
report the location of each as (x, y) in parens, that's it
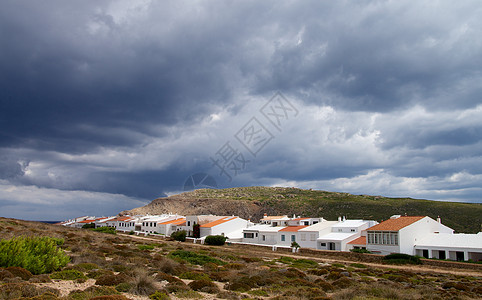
(216, 240)
(179, 235)
(359, 251)
(88, 226)
(36, 254)
(400, 258)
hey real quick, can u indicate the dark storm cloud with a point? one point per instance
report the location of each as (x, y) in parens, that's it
(128, 98)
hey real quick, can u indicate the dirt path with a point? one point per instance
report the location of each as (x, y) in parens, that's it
(273, 254)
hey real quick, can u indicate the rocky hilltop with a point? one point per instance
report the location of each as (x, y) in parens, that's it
(253, 202)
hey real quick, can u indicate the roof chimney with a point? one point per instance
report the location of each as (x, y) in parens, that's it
(265, 215)
(439, 220)
(339, 219)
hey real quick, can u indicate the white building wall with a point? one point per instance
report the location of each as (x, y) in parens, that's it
(408, 235)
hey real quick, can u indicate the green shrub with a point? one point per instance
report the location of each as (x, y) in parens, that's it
(145, 247)
(215, 240)
(400, 258)
(37, 254)
(131, 232)
(159, 296)
(359, 251)
(123, 287)
(89, 225)
(357, 265)
(179, 235)
(194, 275)
(68, 275)
(84, 267)
(194, 258)
(105, 229)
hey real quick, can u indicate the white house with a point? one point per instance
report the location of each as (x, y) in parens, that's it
(150, 224)
(288, 235)
(199, 219)
(125, 223)
(251, 234)
(168, 227)
(400, 234)
(223, 226)
(304, 221)
(102, 222)
(269, 235)
(450, 246)
(342, 233)
(275, 220)
(309, 235)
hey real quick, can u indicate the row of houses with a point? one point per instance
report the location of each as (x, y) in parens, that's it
(414, 235)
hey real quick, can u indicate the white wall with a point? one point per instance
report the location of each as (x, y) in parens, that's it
(224, 228)
(408, 235)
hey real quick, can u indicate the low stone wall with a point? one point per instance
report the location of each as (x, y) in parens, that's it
(452, 264)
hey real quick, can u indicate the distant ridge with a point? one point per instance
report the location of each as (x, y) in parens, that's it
(253, 202)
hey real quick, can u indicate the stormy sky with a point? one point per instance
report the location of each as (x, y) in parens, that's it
(106, 105)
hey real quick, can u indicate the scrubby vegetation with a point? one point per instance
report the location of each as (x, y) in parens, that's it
(36, 254)
(215, 240)
(125, 267)
(399, 258)
(179, 236)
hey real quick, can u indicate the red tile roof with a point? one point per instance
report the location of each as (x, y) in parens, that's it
(123, 219)
(86, 221)
(299, 219)
(396, 224)
(359, 241)
(175, 222)
(217, 222)
(293, 228)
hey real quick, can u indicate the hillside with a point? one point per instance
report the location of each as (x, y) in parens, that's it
(123, 267)
(253, 202)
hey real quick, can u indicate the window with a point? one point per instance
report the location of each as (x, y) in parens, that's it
(312, 237)
(256, 234)
(323, 244)
(283, 238)
(382, 237)
(315, 222)
(352, 230)
(340, 230)
(248, 235)
(303, 237)
(264, 237)
(188, 223)
(306, 223)
(293, 238)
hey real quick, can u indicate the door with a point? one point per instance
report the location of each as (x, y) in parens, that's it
(425, 253)
(331, 246)
(460, 256)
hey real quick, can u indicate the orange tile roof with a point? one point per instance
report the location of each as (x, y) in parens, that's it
(359, 241)
(293, 228)
(86, 221)
(217, 222)
(299, 219)
(182, 224)
(175, 222)
(396, 224)
(122, 219)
